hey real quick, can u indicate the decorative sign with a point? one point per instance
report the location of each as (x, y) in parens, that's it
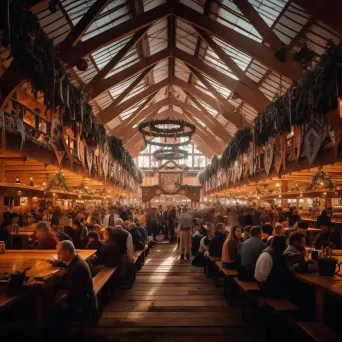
(280, 151)
(316, 132)
(268, 156)
(170, 182)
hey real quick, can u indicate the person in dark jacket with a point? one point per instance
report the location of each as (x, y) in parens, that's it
(108, 255)
(271, 271)
(295, 255)
(267, 233)
(5, 234)
(80, 303)
(216, 243)
(138, 239)
(78, 233)
(326, 235)
(94, 242)
(61, 236)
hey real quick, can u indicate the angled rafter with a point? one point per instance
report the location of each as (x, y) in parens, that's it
(76, 34)
(95, 82)
(130, 72)
(130, 88)
(329, 11)
(204, 116)
(144, 113)
(111, 112)
(218, 144)
(230, 63)
(117, 130)
(261, 52)
(125, 29)
(226, 109)
(254, 97)
(258, 23)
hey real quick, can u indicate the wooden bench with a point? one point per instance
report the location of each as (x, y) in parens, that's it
(228, 275)
(249, 290)
(102, 278)
(210, 269)
(319, 332)
(139, 259)
(280, 305)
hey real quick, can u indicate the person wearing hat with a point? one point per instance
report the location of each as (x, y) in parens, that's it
(326, 235)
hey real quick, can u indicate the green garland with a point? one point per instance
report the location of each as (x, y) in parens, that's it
(318, 93)
(58, 177)
(321, 176)
(34, 54)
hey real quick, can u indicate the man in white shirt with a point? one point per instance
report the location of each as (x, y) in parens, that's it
(185, 226)
(271, 271)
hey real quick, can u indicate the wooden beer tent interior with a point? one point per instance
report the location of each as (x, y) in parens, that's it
(212, 63)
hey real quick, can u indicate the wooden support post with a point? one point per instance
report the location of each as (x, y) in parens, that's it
(284, 189)
(2, 198)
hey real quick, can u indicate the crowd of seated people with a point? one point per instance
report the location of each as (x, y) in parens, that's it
(267, 252)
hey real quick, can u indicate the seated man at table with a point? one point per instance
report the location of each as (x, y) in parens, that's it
(216, 243)
(80, 303)
(46, 240)
(295, 255)
(124, 241)
(326, 235)
(250, 252)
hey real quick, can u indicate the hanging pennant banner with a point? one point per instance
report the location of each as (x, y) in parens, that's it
(317, 131)
(277, 154)
(55, 140)
(268, 155)
(90, 157)
(296, 142)
(335, 121)
(105, 163)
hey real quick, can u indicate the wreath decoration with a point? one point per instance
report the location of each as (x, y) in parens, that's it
(174, 154)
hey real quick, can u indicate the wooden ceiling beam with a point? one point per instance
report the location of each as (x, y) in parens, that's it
(328, 11)
(117, 130)
(111, 112)
(131, 87)
(217, 145)
(253, 97)
(130, 72)
(204, 116)
(77, 32)
(114, 34)
(95, 82)
(226, 59)
(226, 109)
(145, 113)
(254, 17)
(252, 48)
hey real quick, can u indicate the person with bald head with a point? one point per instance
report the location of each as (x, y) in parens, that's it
(79, 283)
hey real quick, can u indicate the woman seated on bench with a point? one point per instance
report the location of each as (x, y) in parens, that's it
(231, 250)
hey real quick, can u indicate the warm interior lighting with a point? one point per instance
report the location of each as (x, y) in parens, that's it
(277, 185)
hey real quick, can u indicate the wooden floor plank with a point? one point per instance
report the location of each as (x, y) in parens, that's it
(170, 301)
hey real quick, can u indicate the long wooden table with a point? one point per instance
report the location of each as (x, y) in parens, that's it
(36, 263)
(322, 284)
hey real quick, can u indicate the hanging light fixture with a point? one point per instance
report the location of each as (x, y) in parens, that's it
(17, 180)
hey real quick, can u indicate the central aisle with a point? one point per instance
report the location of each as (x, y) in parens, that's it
(171, 301)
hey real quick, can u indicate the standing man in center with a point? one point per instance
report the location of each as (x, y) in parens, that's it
(185, 225)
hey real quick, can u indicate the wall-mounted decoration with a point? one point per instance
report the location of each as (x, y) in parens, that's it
(170, 182)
